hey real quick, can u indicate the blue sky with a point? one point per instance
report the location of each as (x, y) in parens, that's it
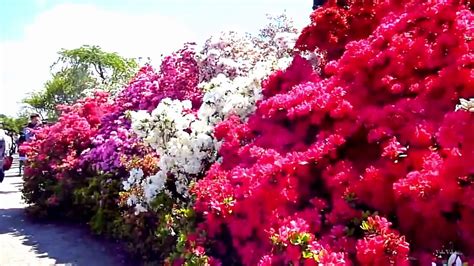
(32, 31)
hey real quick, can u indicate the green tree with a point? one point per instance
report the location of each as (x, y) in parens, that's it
(106, 69)
(77, 73)
(13, 124)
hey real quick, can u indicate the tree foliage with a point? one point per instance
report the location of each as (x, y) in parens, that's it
(77, 73)
(106, 69)
(13, 124)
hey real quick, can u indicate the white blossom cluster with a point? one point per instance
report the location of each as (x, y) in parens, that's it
(455, 259)
(230, 53)
(135, 179)
(235, 55)
(466, 105)
(233, 66)
(183, 142)
(236, 96)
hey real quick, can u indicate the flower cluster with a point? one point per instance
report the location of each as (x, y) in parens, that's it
(233, 54)
(116, 149)
(113, 144)
(467, 105)
(376, 132)
(115, 141)
(182, 142)
(180, 132)
(251, 152)
(339, 22)
(54, 155)
(226, 97)
(179, 76)
(382, 245)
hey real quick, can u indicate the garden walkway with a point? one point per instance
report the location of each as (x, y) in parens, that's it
(25, 243)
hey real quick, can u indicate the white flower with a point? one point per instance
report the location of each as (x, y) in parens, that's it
(126, 185)
(139, 208)
(200, 126)
(134, 177)
(193, 167)
(181, 184)
(132, 200)
(140, 115)
(154, 185)
(284, 63)
(187, 104)
(467, 105)
(454, 259)
(136, 174)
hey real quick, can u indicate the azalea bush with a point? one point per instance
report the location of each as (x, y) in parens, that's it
(273, 149)
(53, 170)
(115, 147)
(83, 180)
(367, 163)
(115, 143)
(180, 130)
(132, 174)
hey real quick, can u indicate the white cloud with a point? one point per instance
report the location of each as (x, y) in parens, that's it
(24, 64)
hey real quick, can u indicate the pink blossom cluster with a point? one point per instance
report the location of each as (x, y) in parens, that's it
(115, 142)
(54, 155)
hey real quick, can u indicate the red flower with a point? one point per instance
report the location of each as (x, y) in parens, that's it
(375, 132)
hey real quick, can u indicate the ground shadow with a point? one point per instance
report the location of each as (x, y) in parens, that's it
(67, 244)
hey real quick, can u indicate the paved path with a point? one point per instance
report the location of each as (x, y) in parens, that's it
(25, 243)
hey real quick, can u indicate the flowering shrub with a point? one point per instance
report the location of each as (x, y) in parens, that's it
(181, 152)
(311, 174)
(180, 130)
(52, 170)
(115, 142)
(234, 54)
(250, 152)
(130, 178)
(116, 146)
(180, 76)
(233, 65)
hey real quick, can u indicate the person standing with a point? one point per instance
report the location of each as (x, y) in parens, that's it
(2, 151)
(14, 143)
(35, 122)
(27, 135)
(8, 142)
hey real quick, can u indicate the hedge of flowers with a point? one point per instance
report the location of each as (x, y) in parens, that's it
(348, 145)
(53, 170)
(123, 166)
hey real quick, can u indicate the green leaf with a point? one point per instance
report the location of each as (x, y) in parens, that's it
(307, 254)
